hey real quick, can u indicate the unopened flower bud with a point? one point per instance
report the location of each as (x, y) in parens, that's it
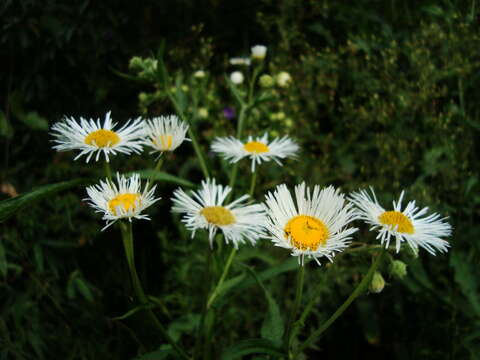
(259, 52)
(283, 79)
(135, 63)
(199, 74)
(377, 284)
(398, 269)
(266, 81)
(236, 77)
(203, 113)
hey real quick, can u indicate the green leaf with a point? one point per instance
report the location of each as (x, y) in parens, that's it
(11, 206)
(33, 120)
(131, 312)
(272, 327)
(466, 278)
(252, 346)
(161, 176)
(183, 325)
(5, 128)
(84, 289)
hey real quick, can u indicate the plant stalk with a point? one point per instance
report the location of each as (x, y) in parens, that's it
(222, 278)
(296, 304)
(127, 236)
(356, 293)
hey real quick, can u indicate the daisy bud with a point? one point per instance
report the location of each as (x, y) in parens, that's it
(266, 81)
(236, 77)
(259, 52)
(135, 63)
(199, 74)
(283, 79)
(377, 284)
(203, 113)
(398, 269)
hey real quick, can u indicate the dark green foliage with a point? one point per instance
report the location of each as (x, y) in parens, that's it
(384, 93)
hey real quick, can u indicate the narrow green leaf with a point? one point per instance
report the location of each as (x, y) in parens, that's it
(11, 206)
(466, 278)
(131, 312)
(161, 176)
(272, 327)
(84, 289)
(251, 346)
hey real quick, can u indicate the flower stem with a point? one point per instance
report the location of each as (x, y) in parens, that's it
(191, 134)
(296, 304)
(127, 236)
(253, 181)
(158, 166)
(216, 291)
(356, 293)
(108, 172)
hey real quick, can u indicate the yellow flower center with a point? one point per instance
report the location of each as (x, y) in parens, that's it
(306, 232)
(256, 147)
(102, 138)
(218, 215)
(164, 142)
(127, 201)
(397, 220)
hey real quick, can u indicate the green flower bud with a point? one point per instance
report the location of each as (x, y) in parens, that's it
(266, 81)
(203, 113)
(398, 269)
(136, 63)
(377, 284)
(143, 97)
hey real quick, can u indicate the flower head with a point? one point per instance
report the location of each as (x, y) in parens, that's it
(165, 133)
(121, 200)
(245, 61)
(204, 209)
(315, 226)
(259, 149)
(409, 225)
(229, 113)
(91, 137)
(259, 52)
(236, 77)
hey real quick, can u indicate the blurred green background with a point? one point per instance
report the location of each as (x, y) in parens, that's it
(384, 93)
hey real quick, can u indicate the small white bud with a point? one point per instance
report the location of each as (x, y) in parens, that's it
(199, 74)
(259, 52)
(283, 79)
(236, 77)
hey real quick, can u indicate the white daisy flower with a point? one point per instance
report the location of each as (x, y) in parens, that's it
(204, 209)
(240, 61)
(123, 200)
(316, 226)
(258, 149)
(165, 133)
(91, 137)
(410, 225)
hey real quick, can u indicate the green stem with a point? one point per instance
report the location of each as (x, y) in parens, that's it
(108, 172)
(356, 293)
(158, 166)
(191, 134)
(222, 278)
(127, 236)
(296, 304)
(253, 181)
